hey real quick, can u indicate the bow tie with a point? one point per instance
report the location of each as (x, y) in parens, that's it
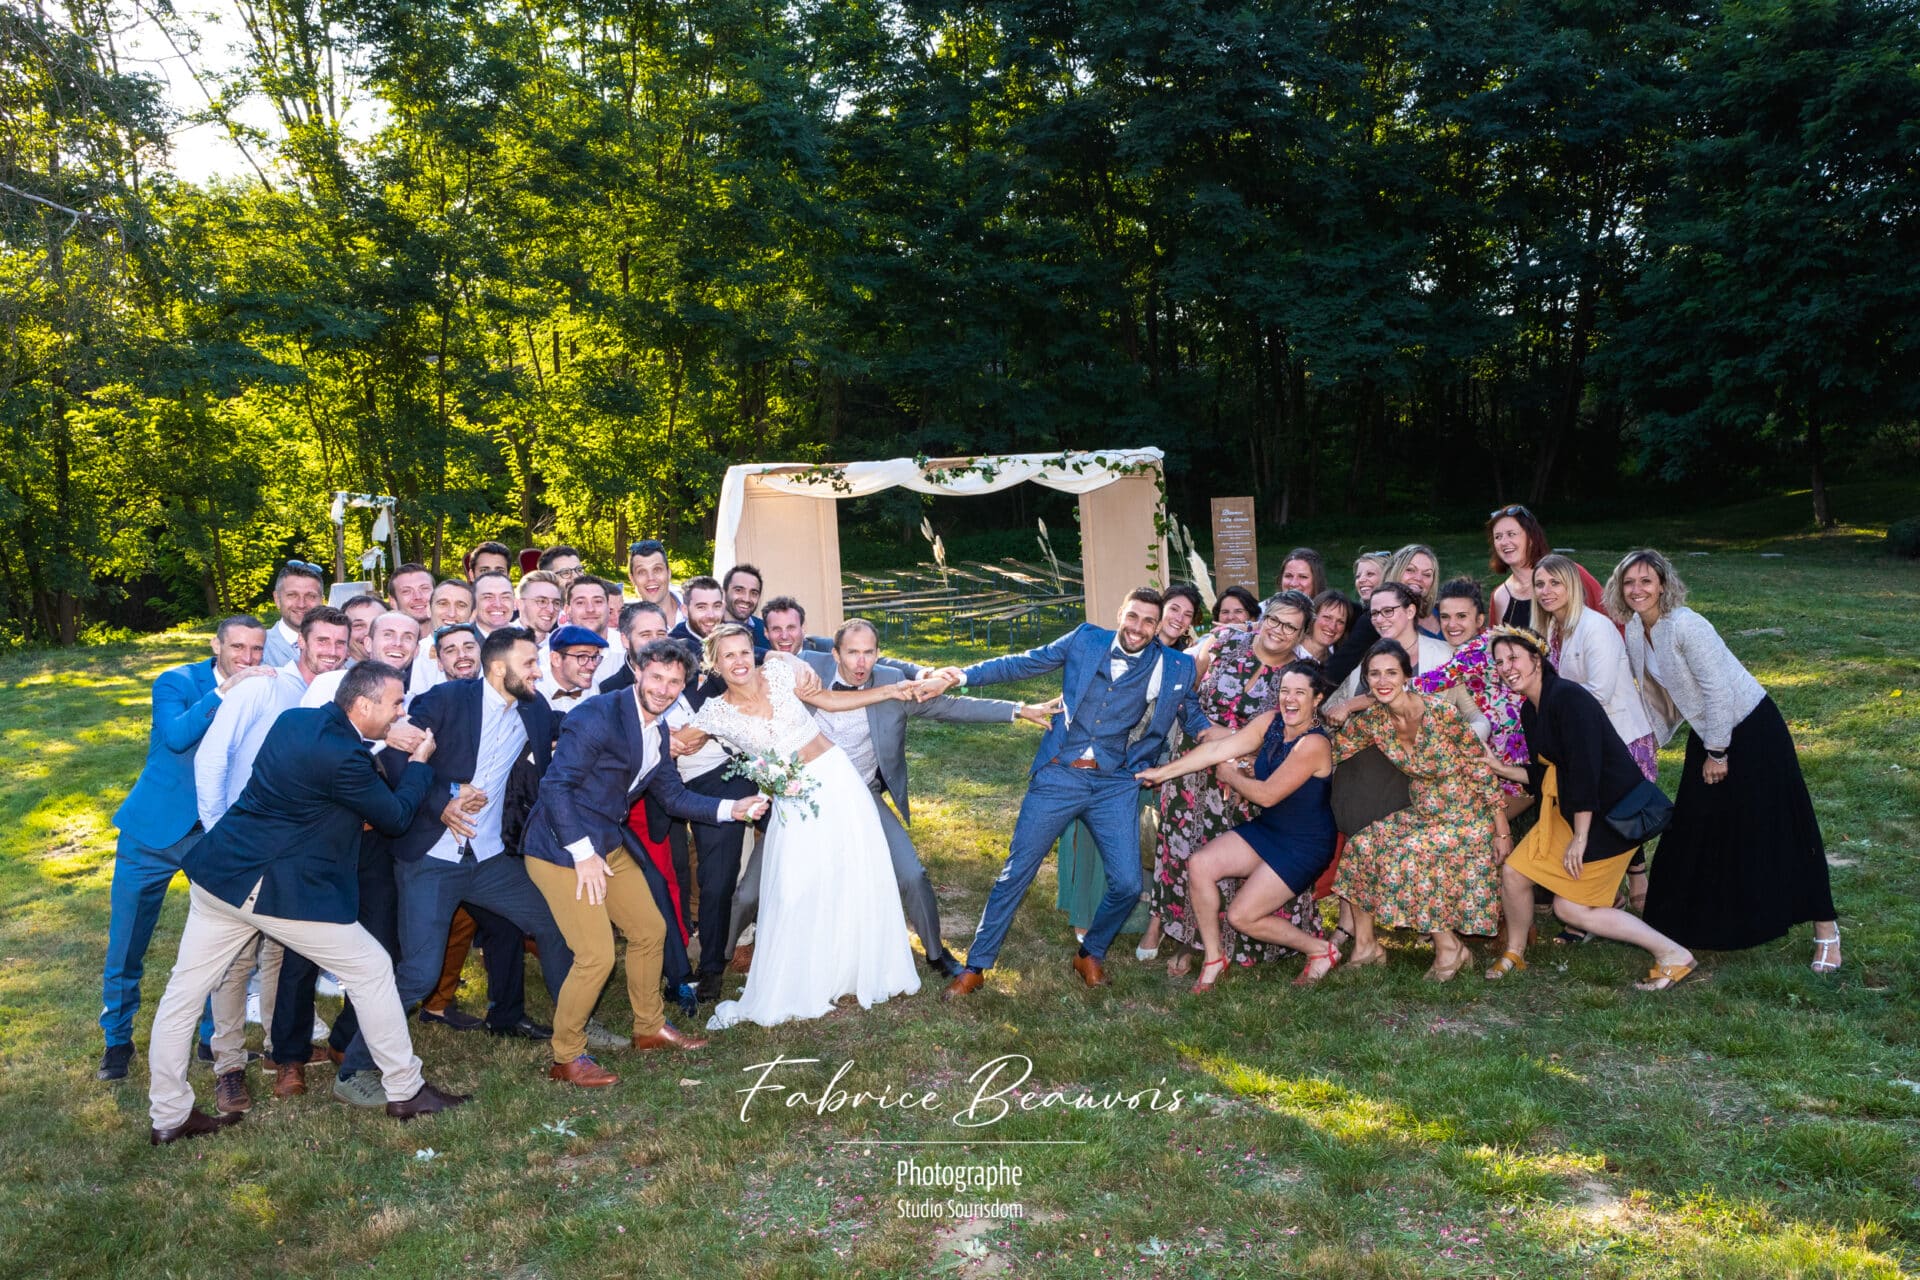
(1117, 654)
(840, 686)
(564, 695)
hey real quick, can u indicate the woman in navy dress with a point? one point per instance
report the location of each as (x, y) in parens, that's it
(1279, 854)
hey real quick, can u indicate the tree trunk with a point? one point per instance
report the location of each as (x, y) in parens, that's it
(1816, 463)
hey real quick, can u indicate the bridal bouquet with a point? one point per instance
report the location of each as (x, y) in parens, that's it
(777, 775)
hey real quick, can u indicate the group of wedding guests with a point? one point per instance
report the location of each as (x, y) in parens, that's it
(1436, 763)
(344, 789)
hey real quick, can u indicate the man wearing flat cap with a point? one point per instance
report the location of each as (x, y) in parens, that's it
(574, 655)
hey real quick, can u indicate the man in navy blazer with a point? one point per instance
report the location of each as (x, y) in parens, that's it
(1123, 690)
(159, 822)
(582, 851)
(490, 731)
(284, 861)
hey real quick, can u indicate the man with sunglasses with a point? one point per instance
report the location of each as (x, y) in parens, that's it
(298, 587)
(652, 578)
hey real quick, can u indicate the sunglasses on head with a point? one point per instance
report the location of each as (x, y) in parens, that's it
(1515, 510)
(304, 566)
(647, 547)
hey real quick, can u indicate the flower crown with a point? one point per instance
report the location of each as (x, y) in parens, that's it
(1519, 635)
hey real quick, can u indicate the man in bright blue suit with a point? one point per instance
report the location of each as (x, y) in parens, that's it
(159, 822)
(1122, 692)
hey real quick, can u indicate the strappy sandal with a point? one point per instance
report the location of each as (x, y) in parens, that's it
(1446, 973)
(1671, 974)
(1637, 892)
(1377, 956)
(1509, 962)
(1822, 946)
(1307, 977)
(1202, 984)
(1570, 937)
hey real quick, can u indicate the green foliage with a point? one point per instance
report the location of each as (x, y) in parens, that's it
(575, 260)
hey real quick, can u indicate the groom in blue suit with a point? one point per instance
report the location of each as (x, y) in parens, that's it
(1123, 691)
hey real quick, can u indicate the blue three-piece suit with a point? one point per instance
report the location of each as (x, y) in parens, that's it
(1123, 720)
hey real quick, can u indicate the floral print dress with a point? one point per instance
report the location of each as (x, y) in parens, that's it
(1472, 666)
(1195, 809)
(1429, 866)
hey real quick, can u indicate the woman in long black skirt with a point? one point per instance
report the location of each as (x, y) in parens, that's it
(1742, 861)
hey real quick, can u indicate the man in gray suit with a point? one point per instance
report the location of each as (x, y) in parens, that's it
(875, 739)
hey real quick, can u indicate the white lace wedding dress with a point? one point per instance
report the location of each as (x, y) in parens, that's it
(830, 922)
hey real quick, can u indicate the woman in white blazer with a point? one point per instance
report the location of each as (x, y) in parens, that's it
(1586, 649)
(1742, 862)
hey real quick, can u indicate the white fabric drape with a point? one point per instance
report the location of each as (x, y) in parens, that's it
(1070, 472)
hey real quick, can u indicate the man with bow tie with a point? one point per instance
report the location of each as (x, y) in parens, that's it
(574, 655)
(1122, 692)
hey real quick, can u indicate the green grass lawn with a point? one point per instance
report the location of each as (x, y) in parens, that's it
(1762, 1122)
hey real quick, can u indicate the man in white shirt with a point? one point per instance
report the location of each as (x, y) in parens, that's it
(361, 611)
(578, 851)
(495, 737)
(453, 653)
(411, 591)
(451, 605)
(493, 601)
(392, 638)
(540, 601)
(300, 586)
(574, 655)
(652, 578)
(590, 601)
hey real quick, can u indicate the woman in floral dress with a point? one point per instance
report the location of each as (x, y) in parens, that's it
(1463, 624)
(1432, 866)
(1241, 681)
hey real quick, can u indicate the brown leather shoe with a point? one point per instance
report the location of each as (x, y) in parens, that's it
(742, 959)
(1091, 971)
(668, 1034)
(583, 1071)
(289, 1080)
(197, 1124)
(425, 1103)
(965, 985)
(231, 1096)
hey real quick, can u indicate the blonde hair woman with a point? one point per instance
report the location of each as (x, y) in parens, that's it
(1585, 648)
(1743, 860)
(1415, 565)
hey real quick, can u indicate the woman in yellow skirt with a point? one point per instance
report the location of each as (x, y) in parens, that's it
(1580, 770)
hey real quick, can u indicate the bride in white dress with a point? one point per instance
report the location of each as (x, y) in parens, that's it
(830, 922)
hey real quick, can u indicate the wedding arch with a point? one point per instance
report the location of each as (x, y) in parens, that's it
(783, 517)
